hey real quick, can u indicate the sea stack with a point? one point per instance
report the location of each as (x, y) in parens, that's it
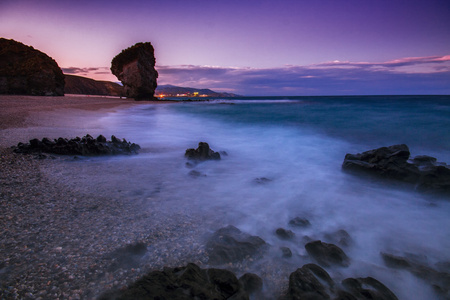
(135, 68)
(27, 71)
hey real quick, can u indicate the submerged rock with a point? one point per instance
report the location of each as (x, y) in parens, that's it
(368, 288)
(284, 234)
(229, 245)
(203, 152)
(340, 237)
(189, 282)
(394, 162)
(299, 222)
(86, 145)
(135, 68)
(27, 71)
(327, 254)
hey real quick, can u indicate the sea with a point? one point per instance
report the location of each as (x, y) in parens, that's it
(281, 158)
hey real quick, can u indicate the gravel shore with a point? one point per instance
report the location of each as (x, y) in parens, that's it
(62, 242)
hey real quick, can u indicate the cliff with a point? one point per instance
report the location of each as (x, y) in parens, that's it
(87, 86)
(27, 71)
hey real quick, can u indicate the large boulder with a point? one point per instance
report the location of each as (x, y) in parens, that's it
(229, 245)
(27, 71)
(87, 146)
(135, 68)
(394, 162)
(189, 282)
(203, 152)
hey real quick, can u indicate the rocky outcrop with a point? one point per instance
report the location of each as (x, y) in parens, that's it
(135, 68)
(189, 282)
(229, 245)
(86, 145)
(327, 254)
(394, 162)
(87, 86)
(313, 282)
(203, 152)
(27, 71)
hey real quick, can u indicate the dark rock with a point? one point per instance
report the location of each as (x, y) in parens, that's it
(299, 222)
(189, 282)
(368, 288)
(304, 283)
(393, 162)
(135, 68)
(251, 283)
(196, 174)
(286, 252)
(327, 254)
(229, 245)
(27, 71)
(340, 237)
(87, 146)
(284, 234)
(203, 152)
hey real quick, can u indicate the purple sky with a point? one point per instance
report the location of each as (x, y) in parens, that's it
(254, 47)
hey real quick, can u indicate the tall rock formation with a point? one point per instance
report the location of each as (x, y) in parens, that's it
(135, 68)
(27, 71)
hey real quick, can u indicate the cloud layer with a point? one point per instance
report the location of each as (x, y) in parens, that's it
(413, 75)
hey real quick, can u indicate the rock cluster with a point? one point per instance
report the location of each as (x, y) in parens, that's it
(190, 282)
(203, 152)
(135, 68)
(87, 146)
(394, 162)
(27, 71)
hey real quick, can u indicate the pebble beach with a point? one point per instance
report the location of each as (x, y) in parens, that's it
(64, 242)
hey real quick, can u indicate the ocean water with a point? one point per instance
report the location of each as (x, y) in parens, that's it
(298, 144)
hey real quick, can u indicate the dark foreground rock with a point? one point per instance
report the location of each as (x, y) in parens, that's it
(135, 68)
(394, 162)
(203, 152)
(189, 282)
(229, 245)
(27, 71)
(438, 279)
(86, 145)
(327, 254)
(313, 282)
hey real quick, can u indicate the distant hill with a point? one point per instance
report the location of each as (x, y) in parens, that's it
(176, 91)
(87, 86)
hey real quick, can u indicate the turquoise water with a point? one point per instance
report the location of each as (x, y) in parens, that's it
(299, 144)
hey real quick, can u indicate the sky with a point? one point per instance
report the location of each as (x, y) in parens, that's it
(250, 47)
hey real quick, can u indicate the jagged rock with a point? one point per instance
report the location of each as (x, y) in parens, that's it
(135, 68)
(229, 245)
(327, 254)
(284, 234)
(368, 288)
(439, 280)
(27, 71)
(86, 145)
(203, 152)
(189, 282)
(299, 222)
(393, 162)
